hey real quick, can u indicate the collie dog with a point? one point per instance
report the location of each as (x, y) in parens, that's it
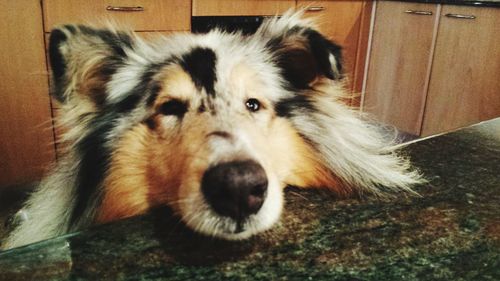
(213, 125)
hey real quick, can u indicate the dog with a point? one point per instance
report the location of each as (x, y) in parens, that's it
(213, 125)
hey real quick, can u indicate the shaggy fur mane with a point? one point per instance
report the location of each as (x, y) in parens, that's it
(146, 119)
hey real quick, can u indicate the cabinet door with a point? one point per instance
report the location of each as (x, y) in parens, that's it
(241, 7)
(465, 82)
(400, 63)
(340, 21)
(26, 135)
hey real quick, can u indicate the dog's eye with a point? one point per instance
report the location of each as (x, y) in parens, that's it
(173, 107)
(253, 105)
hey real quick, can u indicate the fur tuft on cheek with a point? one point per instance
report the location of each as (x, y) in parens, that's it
(296, 162)
(127, 185)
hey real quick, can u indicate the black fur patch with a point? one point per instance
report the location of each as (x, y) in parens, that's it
(116, 41)
(300, 66)
(129, 102)
(174, 107)
(321, 48)
(95, 157)
(200, 64)
(288, 107)
(72, 29)
(155, 91)
(57, 63)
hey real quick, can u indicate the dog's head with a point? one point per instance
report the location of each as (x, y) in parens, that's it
(213, 125)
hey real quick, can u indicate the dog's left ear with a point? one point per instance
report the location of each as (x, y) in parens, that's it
(301, 52)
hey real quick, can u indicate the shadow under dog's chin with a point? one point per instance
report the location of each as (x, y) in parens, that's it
(191, 247)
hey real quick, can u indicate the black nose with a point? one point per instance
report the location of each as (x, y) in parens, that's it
(235, 189)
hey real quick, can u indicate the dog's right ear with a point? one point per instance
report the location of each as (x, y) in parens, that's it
(83, 59)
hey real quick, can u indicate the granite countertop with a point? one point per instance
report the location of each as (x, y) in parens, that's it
(452, 232)
(479, 3)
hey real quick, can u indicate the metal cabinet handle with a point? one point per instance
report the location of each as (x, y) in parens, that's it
(315, 9)
(124, 9)
(458, 16)
(422, 13)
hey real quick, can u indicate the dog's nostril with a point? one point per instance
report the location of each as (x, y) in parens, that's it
(235, 189)
(259, 190)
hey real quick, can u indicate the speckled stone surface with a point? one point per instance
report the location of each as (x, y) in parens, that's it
(452, 232)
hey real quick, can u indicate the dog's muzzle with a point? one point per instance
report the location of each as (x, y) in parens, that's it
(235, 189)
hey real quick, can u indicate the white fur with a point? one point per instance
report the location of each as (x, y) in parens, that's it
(48, 210)
(359, 153)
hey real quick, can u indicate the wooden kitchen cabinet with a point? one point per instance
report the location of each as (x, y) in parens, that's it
(400, 63)
(26, 135)
(465, 83)
(433, 73)
(241, 7)
(346, 23)
(139, 15)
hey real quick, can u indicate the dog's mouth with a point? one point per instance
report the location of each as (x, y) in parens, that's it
(237, 199)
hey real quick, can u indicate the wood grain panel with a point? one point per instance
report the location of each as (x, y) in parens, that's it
(26, 135)
(465, 83)
(361, 53)
(399, 64)
(241, 7)
(157, 14)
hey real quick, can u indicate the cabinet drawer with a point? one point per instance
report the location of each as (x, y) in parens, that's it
(148, 15)
(241, 7)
